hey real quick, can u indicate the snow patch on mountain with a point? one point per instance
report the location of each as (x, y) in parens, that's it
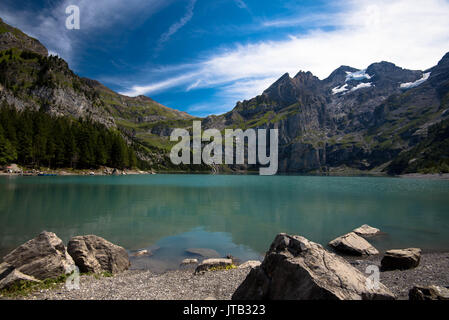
(340, 89)
(410, 85)
(357, 76)
(361, 86)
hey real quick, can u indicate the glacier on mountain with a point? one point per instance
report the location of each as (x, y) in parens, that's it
(357, 76)
(340, 89)
(361, 86)
(410, 85)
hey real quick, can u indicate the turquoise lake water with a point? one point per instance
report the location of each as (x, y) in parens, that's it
(232, 214)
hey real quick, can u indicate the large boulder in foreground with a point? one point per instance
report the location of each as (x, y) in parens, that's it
(297, 269)
(352, 244)
(366, 231)
(429, 293)
(401, 259)
(95, 254)
(249, 264)
(43, 257)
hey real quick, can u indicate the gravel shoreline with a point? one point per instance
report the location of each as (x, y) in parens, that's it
(220, 285)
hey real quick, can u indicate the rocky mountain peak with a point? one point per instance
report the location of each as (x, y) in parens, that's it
(338, 76)
(287, 90)
(285, 78)
(444, 60)
(282, 87)
(304, 75)
(387, 72)
(383, 66)
(440, 75)
(303, 78)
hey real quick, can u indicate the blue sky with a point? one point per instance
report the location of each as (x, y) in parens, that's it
(202, 56)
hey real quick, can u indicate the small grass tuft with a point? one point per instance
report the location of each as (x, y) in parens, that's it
(24, 288)
(228, 267)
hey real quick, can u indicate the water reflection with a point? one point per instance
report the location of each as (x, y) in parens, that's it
(238, 214)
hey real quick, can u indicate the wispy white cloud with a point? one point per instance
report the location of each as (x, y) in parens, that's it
(241, 4)
(161, 85)
(405, 32)
(314, 19)
(48, 25)
(176, 26)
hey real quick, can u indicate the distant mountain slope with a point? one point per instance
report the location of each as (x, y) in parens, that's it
(30, 79)
(431, 155)
(141, 117)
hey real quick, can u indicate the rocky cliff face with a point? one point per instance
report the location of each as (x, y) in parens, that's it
(30, 80)
(356, 119)
(11, 37)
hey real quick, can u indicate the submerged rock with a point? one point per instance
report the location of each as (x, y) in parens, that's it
(401, 259)
(142, 253)
(295, 268)
(189, 261)
(42, 257)
(203, 252)
(429, 293)
(353, 244)
(209, 264)
(95, 254)
(366, 231)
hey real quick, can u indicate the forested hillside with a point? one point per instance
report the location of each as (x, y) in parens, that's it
(108, 128)
(35, 139)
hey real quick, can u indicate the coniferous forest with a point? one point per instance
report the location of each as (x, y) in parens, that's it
(36, 139)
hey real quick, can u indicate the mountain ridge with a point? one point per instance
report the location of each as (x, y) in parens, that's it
(357, 119)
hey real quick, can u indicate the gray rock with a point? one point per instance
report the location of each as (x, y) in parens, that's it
(429, 293)
(208, 264)
(203, 252)
(250, 264)
(15, 277)
(42, 257)
(95, 254)
(142, 253)
(353, 244)
(366, 231)
(235, 260)
(401, 259)
(5, 269)
(295, 268)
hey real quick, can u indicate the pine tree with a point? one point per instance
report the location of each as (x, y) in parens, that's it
(8, 153)
(25, 140)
